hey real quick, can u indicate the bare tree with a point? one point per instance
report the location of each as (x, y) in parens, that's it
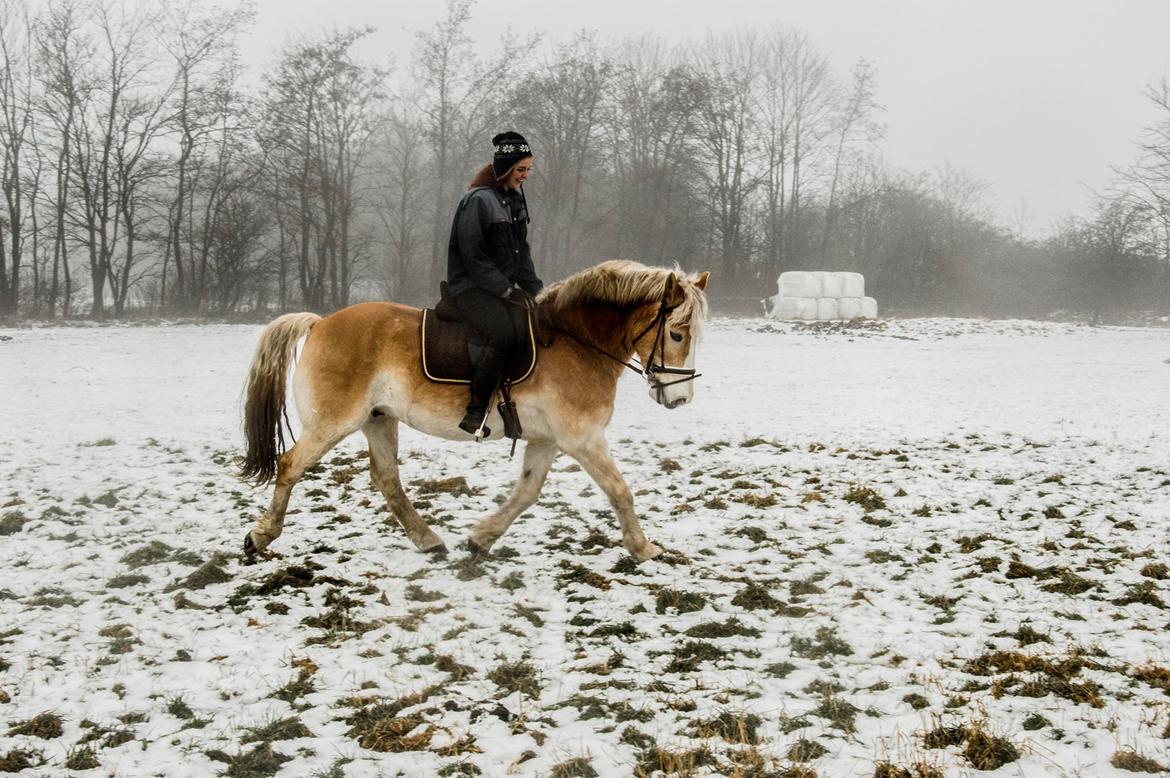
(729, 66)
(560, 108)
(65, 54)
(16, 116)
(854, 123)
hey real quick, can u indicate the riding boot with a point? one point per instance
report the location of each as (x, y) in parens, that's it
(488, 370)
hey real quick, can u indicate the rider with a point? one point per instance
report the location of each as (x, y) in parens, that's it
(489, 260)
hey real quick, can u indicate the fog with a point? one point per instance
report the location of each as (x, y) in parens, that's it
(1037, 98)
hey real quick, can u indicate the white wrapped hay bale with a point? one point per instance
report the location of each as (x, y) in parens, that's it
(831, 285)
(826, 308)
(785, 307)
(799, 283)
(849, 308)
(852, 285)
(869, 308)
(806, 308)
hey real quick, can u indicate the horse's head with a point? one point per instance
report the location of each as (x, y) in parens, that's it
(670, 342)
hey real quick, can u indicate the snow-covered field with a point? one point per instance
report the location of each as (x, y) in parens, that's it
(907, 549)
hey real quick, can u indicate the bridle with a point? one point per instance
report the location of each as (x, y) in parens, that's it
(651, 370)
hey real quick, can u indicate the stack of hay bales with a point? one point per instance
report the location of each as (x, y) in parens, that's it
(819, 295)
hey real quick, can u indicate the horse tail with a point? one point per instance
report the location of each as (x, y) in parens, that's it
(265, 399)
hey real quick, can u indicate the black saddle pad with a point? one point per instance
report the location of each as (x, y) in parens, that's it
(444, 348)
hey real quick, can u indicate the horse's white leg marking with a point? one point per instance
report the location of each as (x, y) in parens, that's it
(595, 458)
(289, 469)
(538, 457)
(382, 435)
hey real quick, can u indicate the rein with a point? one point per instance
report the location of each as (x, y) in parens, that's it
(651, 371)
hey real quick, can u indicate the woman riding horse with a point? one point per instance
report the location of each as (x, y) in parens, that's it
(488, 260)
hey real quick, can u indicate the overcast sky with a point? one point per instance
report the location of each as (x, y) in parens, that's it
(1036, 97)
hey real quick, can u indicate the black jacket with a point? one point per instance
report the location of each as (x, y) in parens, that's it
(488, 248)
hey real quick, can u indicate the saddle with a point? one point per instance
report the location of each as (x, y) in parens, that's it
(447, 343)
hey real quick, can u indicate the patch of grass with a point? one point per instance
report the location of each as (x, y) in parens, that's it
(841, 714)
(757, 597)
(1133, 762)
(824, 643)
(1154, 675)
(754, 534)
(624, 629)
(1144, 593)
(297, 687)
(260, 762)
(20, 759)
(519, 676)
(12, 523)
(81, 758)
(1156, 570)
(669, 465)
(678, 600)
(126, 581)
(1035, 721)
(284, 729)
(1070, 583)
(689, 655)
(46, 726)
(681, 762)
(916, 701)
(805, 750)
(734, 727)
(419, 594)
(722, 629)
(869, 499)
(210, 572)
(574, 573)
(152, 553)
(577, 767)
(779, 669)
(52, 597)
(456, 485)
(178, 708)
(915, 770)
(944, 737)
(986, 751)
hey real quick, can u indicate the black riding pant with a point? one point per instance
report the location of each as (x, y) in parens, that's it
(488, 314)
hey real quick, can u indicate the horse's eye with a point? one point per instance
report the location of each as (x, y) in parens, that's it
(677, 338)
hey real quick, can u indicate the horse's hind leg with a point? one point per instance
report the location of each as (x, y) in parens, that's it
(594, 456)
(538, 457)
(305, 453)
(382, 434)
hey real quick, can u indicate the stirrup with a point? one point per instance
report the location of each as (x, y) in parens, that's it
(480, 430)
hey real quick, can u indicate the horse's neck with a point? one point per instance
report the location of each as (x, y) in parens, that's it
(607, 328)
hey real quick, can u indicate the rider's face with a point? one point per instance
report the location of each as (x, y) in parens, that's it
(518, 174)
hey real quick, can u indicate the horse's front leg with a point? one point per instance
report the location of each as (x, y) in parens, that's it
(595, 458)
(538, 457)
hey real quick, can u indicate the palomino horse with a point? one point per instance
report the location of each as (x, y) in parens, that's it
(360, 369)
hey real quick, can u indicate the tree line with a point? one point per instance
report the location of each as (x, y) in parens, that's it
(146, 171)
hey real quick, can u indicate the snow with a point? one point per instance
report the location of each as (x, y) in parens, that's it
(987, 449)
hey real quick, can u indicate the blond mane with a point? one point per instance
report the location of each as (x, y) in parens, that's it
(623, 282)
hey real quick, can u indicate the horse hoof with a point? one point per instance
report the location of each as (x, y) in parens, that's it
(249, 546)
(476, 550)
(647, 552)
(439, 550)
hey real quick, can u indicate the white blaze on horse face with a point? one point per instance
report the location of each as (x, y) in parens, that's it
(678, 354)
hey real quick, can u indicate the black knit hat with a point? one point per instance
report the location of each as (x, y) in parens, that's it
(510, 149)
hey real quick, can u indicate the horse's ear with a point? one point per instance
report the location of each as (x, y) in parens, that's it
(673, 294)
(701, 280)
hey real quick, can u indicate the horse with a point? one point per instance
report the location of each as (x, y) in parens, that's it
(360, 369)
